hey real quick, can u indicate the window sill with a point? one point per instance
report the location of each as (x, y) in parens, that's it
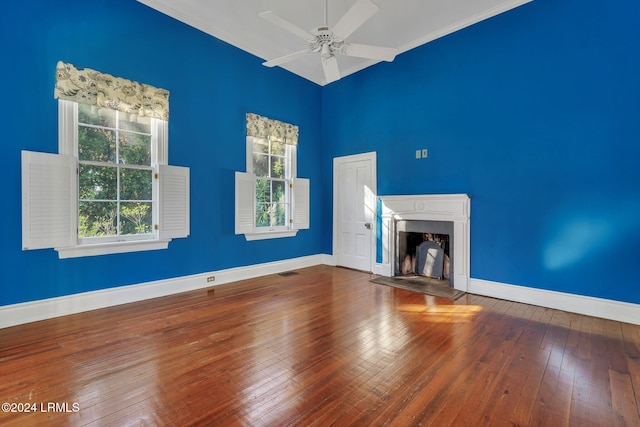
(111, 248)
(270, 235)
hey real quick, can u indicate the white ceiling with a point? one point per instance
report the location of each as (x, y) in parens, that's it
(402, 24)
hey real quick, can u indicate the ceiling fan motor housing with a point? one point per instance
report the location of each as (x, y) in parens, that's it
(325, 42)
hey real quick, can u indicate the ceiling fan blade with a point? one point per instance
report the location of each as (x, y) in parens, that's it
(354, 18)
(286, 25)
(286, 58)
(371, 52)
(330, 67)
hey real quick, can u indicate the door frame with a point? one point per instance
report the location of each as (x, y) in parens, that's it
(372, 157)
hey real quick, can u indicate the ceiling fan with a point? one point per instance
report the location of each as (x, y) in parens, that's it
(329, 41)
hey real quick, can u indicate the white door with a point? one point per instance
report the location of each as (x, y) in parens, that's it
(354, 214)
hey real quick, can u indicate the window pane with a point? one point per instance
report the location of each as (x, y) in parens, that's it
(278, 167)
(263, 215)
(96, 145)
(135, 218)
(136, 184)
(92, 115)
(260, 164)
(97, 219)
(280, 215)
(134, 122)
(277, 148)
(98, 182)
(260, 145)
(135, 149)
(278, 189)
(263, 190)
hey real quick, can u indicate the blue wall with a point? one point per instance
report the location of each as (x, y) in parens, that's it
(535, 114)
(212, 86)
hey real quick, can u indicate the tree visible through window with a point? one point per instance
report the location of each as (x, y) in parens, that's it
(115, 173)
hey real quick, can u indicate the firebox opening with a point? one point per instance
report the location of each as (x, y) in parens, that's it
(425, 254)
(424, 249)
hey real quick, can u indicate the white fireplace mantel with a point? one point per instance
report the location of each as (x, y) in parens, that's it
(429, 207)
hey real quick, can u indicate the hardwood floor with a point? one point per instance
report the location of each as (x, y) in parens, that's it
(322, 347)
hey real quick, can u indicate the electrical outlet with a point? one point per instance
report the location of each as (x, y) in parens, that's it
(211, 278)
(418, 154)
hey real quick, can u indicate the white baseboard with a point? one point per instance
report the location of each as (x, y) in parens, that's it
(590, 306)
(17, 314)
(329, 260)
(33, 311)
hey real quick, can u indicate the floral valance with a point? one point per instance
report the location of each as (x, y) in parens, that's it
(92, 87)
(263, 127)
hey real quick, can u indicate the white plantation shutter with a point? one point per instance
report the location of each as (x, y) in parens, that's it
(245, 203)
(300, 203)
(49, 200)
(174, 202)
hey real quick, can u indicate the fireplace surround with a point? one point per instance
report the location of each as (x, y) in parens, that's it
(454, 208)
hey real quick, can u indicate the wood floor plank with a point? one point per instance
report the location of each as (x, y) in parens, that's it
(322, 347)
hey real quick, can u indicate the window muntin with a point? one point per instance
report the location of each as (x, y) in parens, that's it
(116, 187)
(272, 169)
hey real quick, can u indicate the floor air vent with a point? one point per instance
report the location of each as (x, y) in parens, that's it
(288, 273)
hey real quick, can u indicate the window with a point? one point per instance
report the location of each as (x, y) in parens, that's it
(109, 189)
(270, 200)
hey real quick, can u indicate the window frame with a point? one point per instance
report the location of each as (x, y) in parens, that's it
(68, 146)
(118, 167)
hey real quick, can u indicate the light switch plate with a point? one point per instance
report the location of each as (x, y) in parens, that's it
(418, 154)
(425, 153)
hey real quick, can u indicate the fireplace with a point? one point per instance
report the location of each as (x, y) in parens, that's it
(442, 220)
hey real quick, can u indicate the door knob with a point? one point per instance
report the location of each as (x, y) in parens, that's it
(367, 225)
